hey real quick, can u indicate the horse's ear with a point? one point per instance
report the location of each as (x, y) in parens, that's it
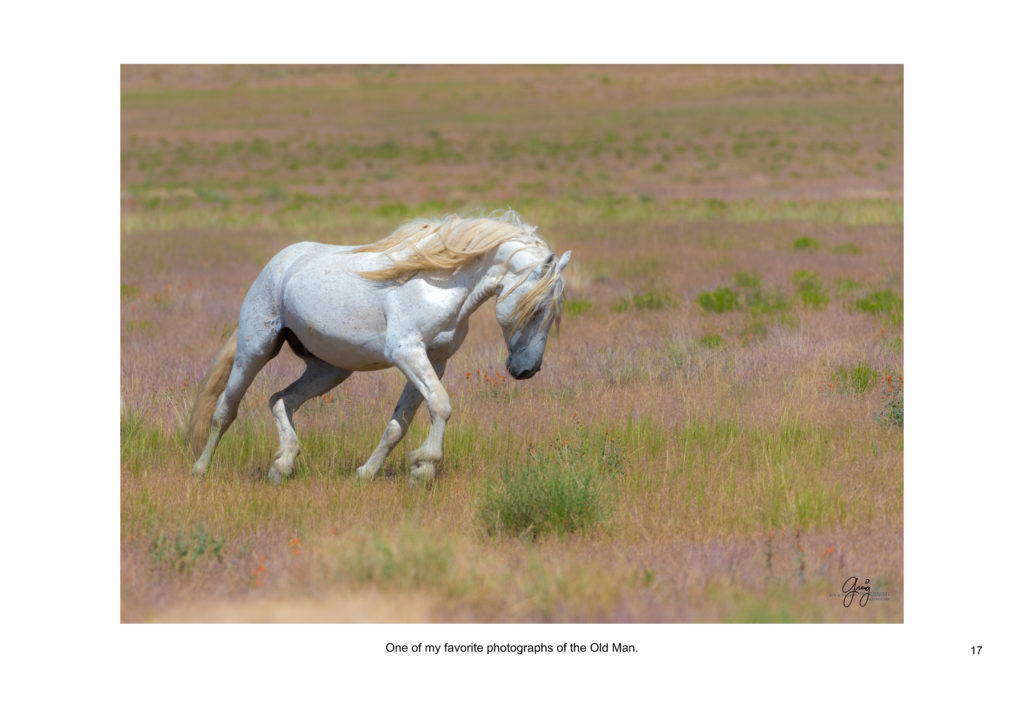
(564, 260)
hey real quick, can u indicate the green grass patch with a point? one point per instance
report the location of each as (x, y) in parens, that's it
(657, 297)
(856, 379)
(811, 289)
(129, 293)
(765, 302)
(558, 491)
(746, 279)
(806, 243)
(575, 307)
(845, 286)
(880, 302)
(711, 340)
(814, 299)
(719, 301)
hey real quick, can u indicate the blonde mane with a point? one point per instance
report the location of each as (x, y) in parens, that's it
(448, 243)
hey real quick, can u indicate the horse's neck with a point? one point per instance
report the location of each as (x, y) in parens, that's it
(483, 282)
(484, 278)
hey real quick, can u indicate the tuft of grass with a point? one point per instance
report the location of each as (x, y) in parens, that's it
(720, 301)
(710, 340)
(856, 379)
(129, 293)
(806, 243)
(655, 298)
(746, 279)
(846, 285)
(557, 492)
(847, 248)
(811, 289)
(806, 280)
(880, 302)
(760, 302)
(814, 298)
(575, 307)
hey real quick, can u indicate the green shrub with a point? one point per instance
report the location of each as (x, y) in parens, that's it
(555, 493)
(814, 298)
(720, 301)
(892, 412)
(850, 248)
(806, 243)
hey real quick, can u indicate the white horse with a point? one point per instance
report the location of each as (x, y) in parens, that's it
(405, 302)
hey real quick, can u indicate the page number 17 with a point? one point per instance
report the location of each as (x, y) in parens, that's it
(975, 649)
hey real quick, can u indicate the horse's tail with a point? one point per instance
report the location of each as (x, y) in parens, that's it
(210, 389)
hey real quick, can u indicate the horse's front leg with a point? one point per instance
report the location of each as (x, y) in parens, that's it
(426, 378)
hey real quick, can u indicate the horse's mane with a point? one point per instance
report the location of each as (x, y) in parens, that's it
(448, 243)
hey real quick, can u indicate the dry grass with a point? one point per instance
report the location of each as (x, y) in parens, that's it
(723, 453)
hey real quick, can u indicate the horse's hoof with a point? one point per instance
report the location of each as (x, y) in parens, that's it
(363, 475)
(274, 476)
(423, 473)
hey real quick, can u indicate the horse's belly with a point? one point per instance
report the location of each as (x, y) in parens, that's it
(343, 352)
(337, 319)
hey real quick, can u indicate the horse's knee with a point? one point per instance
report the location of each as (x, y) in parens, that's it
(393, 432)
(440, 406)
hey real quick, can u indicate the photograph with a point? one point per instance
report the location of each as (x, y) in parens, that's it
(511, 344)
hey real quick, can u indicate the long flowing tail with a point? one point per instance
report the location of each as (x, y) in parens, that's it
(210, 389)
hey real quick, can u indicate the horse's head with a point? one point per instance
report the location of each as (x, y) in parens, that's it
(529, 301)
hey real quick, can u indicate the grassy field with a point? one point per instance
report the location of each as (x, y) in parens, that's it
(716, 435)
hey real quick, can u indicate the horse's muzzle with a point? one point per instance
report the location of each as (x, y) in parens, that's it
(521, 373)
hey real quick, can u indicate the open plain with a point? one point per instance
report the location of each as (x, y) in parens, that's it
(716, 434)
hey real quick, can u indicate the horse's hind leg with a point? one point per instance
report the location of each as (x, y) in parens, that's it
(318, 378)
(249, 360)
